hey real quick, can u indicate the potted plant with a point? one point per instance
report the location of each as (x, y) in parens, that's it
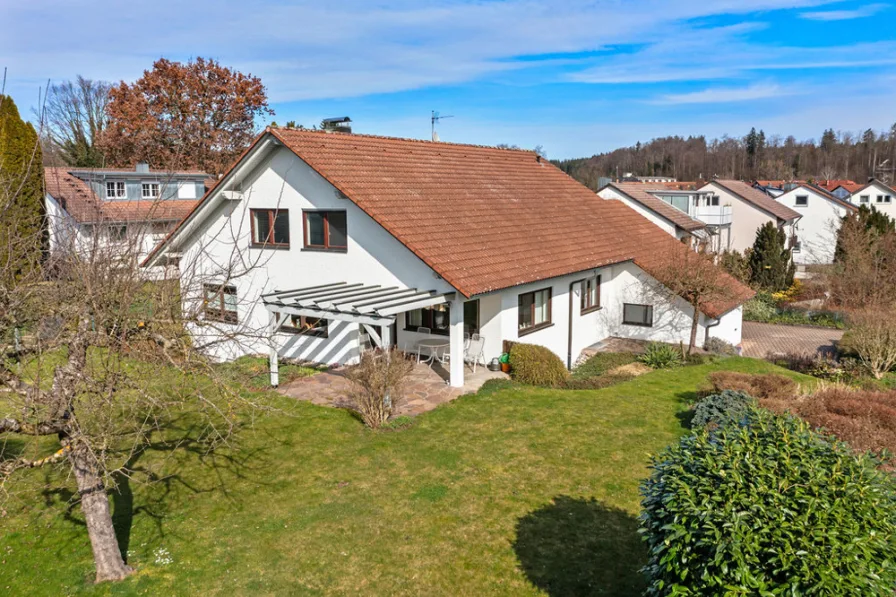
(504, 359)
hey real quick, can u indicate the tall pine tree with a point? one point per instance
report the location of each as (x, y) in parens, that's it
(22, 234)
(771, 261)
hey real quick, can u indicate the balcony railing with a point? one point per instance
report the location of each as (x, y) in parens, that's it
(719, 215)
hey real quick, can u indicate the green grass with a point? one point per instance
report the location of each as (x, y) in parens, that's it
(516, 491)
(254, 372)
(602, 362)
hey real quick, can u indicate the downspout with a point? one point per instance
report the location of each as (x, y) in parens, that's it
(706, 330)
(569, 340)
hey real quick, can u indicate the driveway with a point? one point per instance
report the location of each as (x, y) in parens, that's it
(760, 339)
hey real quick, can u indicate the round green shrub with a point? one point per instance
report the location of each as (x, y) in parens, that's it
(537, 366)
(768, 508)
(718, 410)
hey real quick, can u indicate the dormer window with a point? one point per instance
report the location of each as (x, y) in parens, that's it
(116, 190)
(150, 190)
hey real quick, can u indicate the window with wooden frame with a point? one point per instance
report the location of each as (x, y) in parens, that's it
(307, 326)
(116, 190)
(534, 311)
(590, 299)
(220, 303)
(150, 190)
(270, 227)
(633, 314)
(326, 230)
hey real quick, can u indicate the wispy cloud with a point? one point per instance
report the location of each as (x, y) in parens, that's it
(843, 15)
(723, 95)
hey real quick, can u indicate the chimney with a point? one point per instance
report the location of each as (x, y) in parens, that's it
(142, 168)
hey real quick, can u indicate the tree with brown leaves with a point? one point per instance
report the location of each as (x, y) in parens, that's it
(197, 114)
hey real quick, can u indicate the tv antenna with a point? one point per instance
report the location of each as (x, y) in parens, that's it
(436, 117)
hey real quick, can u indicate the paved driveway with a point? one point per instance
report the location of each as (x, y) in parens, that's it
(760, 339)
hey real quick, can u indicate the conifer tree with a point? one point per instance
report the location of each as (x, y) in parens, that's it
(21, 190)
(771, 261)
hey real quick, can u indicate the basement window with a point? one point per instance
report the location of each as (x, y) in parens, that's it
(633, 314)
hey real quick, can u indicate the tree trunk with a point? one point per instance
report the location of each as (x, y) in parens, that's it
(694, 323)
(95, 506)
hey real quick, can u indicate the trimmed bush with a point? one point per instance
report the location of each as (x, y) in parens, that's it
(768, 508)
(661, 356)
(719, 410)
(770, 385)
(719, 346)
(537, 366)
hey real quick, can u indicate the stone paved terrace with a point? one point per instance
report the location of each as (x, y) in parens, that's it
(426, 389)
(761, 339)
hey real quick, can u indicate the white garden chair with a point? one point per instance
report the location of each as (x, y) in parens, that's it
(475, 351)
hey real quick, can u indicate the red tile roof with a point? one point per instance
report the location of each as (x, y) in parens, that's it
(642, 194)
(830, 185)
(483, 218)
(78, 199)
(758, 198)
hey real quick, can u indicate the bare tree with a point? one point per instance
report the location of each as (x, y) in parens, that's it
(75, 118)
(692, 276)
(872, 336)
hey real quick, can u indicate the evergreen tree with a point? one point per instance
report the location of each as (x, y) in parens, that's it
(771, 261)
(22, 238)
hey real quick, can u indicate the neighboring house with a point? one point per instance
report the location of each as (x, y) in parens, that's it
(750, 210)
(357, 239)
(876, 194)
(683, 214)
(821, 213)
(120, 210)
(842, 189)
(629, 177)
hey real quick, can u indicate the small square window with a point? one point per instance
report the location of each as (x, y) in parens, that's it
(864, 199)
(118, 233)
(116, 190)
(802, 200)
(270, 227)
(150, 190)
(220, 303)
(637, 314)
(326, 230)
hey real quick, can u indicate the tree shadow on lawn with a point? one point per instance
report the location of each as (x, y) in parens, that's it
(578, 548)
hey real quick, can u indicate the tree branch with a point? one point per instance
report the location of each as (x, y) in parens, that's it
(9, 425)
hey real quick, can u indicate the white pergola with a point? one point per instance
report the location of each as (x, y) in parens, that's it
(373, 307)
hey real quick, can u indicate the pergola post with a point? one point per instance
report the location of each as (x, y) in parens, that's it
(456, 346)
(274, 325)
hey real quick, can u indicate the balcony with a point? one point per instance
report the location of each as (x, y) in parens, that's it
(718, 215)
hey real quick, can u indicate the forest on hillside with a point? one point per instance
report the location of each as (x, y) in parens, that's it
(755, 156)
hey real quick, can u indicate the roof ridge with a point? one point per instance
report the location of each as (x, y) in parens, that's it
(277, 130)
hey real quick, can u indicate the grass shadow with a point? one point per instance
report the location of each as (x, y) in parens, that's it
(578, 548)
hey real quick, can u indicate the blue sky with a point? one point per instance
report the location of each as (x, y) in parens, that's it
(577, 76)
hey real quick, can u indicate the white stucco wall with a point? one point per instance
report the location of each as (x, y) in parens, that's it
(745, 217)
(872, 193)
(817, 229)
(219, 250)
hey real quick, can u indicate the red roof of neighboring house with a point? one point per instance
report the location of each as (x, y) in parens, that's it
(483, 218)
(777, 183)
(830, 185)
(77, 198)
(759, 199)
(639, 192)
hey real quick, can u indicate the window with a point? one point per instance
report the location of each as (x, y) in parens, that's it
(118, 232)
(438, 319)
(802, 200)
(884, 198)
(162, 227)
(864, 199)
(590, 299)
(637, 314)
(306, 326)
(713, 201)
(534, 311)
(220, 303)
(116, 190)
(270, 227)
(150, 190)
(326, 230)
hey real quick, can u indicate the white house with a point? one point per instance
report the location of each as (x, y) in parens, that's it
(821, 213)
(750, 210)
(683, 214)
(876, 194)
(328, 241)
(121, 210)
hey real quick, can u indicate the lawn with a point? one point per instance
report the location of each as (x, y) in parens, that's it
(520, 491)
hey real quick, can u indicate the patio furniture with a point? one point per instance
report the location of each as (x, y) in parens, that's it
(475, 351)
(433, 345)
